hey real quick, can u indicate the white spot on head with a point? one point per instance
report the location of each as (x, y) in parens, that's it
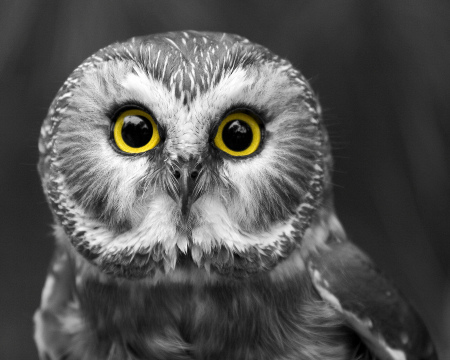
(65, 96)
(173, 43)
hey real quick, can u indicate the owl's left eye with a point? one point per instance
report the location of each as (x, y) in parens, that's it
(239, 134)
(135, 131)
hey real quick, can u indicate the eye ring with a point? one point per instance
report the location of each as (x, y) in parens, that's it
(146, 129)
(245, 123)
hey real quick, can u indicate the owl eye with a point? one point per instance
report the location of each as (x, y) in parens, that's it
(239, 134)
(135, 131)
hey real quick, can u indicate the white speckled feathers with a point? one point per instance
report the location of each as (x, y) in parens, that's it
(121, 205)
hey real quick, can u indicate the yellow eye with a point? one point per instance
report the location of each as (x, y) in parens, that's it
(239, 134)
(135, 131)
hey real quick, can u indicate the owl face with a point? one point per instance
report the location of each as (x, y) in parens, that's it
(183, 148)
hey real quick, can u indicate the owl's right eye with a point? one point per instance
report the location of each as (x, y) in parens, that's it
(135, 131)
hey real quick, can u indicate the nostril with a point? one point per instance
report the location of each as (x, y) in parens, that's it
(194, 174)
(177, 174)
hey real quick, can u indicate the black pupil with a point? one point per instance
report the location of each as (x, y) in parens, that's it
(237, 135)
(137, 131)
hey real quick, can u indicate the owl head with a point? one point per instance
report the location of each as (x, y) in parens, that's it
(184, 149)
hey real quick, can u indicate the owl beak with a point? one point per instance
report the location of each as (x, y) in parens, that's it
(187, 178)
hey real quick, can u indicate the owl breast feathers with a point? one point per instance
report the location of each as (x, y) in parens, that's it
(189, 177)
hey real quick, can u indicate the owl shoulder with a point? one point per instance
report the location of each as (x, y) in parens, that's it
(348, 280)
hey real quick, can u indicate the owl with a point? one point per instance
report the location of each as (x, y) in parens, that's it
(188, 175)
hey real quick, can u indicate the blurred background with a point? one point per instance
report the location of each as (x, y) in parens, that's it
(380, 68)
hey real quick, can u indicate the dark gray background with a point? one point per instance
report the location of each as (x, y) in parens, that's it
(381, 69)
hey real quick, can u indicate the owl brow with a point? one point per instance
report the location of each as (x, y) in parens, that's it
(246, 108)
(118, 107)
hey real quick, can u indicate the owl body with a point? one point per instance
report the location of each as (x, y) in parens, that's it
(191, 316)
(189, 178)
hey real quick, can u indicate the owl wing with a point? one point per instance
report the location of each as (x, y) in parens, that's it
(51, 340)
(349, 281)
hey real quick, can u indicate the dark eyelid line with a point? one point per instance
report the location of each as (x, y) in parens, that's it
(241, 107)
(118, 108)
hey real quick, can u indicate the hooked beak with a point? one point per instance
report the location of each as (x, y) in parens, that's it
(186, 176)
